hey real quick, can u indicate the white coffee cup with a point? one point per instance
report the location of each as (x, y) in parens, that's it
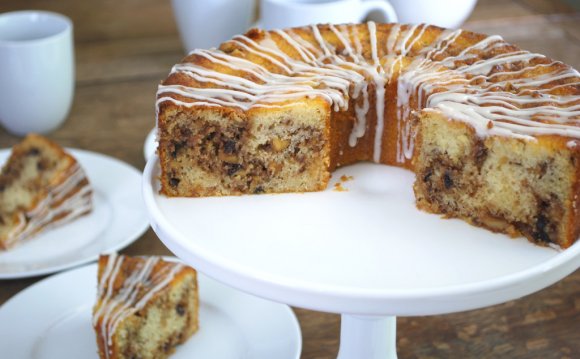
(208, 23)
(36, 71)
(277, 14)
(445, 13)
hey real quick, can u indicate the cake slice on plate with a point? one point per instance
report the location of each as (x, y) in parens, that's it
(41, 186)
(146, 306)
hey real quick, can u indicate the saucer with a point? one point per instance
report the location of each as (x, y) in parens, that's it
(118, 218)
(54, 321)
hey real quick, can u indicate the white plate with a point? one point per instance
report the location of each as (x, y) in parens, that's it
(367, 250)
(150, 144)
(52, 320)
(118, 218)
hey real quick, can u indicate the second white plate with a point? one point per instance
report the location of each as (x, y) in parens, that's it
(232, 324)
(118, 218)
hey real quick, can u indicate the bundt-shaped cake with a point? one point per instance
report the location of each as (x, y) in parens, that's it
(145, 307)
(41, 186)
(490, 130)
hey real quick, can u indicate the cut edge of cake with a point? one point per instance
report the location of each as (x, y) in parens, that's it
(510, 185)
(234, 153)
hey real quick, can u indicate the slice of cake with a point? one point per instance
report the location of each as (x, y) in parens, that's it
(145, 306)
(41, 186)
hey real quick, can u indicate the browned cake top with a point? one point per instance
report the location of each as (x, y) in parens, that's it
(496, 87)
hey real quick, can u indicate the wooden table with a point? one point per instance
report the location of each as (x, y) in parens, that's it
(124, 48)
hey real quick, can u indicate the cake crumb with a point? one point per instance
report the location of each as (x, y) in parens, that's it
(338, 185)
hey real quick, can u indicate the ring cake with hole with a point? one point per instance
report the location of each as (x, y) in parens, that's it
(490, 130)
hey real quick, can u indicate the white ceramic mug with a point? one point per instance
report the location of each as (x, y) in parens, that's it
(291, 13)
(208, 23)
(444, 13)
(36, 70)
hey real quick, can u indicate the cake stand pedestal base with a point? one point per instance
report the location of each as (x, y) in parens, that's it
(369, 337)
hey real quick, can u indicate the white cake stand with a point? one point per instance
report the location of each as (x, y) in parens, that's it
(366, 252)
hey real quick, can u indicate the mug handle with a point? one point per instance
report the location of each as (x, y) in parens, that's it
(382, 6)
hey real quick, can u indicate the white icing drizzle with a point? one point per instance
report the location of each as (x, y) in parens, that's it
(63, 203)
(445, 39)
(135, 292)
(461, 82)
(357, 43)
(347, 47)
(417, 37)
(379, 79)
(392, 39)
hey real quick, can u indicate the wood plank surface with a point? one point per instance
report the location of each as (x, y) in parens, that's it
(124, 48)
